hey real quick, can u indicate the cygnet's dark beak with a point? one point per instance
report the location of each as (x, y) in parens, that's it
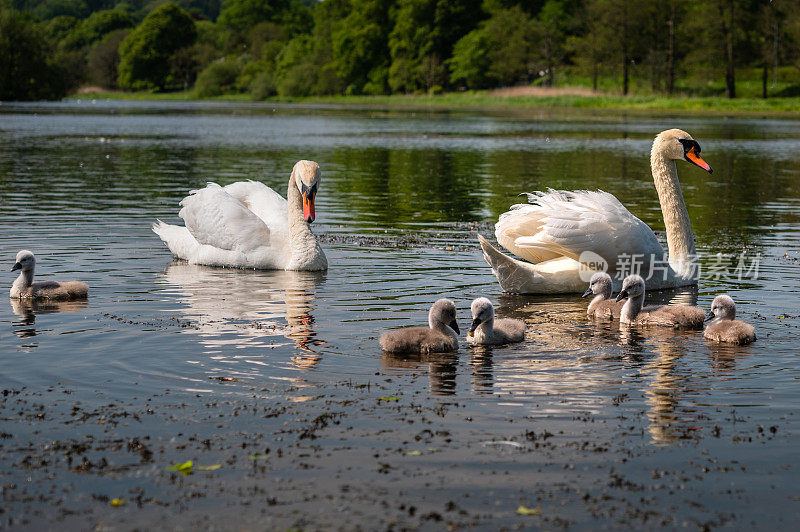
(588, 291)
(475, 323)
(454, 326)
(16, 266)
(622, 295)
(709, 316)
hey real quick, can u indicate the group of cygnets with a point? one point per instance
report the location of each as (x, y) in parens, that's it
(441, 335)
(724, 326)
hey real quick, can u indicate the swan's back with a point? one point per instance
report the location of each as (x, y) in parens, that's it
(678, 316)
(731, 331)
(560, 223)
(417, 340)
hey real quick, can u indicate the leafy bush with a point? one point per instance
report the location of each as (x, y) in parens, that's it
(263, 86)
(218, 78)
(26, 73)
(146, 53)
(103, 59)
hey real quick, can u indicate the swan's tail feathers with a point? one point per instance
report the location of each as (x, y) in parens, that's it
(178, 239)
(560, 276)
(514, 276)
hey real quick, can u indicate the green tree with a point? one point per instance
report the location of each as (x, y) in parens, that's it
(360, 46)
(26, 72)
(470, 62)
(97, 26)
(103, 60)
(146, 53)
(423, 37)
(240, 15)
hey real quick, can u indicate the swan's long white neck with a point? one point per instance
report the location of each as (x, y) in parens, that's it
(680, 240)
(306, 251)
(631, 309)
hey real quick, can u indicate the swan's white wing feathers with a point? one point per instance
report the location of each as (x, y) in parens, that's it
(561, 223)
(215, 218)
(264, 202)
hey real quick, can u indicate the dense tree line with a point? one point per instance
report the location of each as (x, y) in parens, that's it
(299, 48)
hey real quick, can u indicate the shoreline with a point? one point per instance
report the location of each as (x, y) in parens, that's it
(497, 100)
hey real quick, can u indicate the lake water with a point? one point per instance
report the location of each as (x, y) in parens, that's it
(277, 376)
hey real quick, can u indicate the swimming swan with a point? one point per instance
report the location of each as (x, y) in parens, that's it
(440, 337)
(602, 306)
(25, 288)
(248, 225)
(557, 227)
(677, 316)
(724, 327)
(486, 330)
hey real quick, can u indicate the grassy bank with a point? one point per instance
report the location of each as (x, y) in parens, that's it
(502, 100)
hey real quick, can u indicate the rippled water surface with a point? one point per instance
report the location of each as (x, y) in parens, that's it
(402, 196)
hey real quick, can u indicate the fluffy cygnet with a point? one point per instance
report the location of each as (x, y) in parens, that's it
(724, 327)
(602, 306)
(486, 330)
(25, 288)
(678, 316)
(440, 337)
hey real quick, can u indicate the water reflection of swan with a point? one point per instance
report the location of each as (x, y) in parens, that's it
(248, 308)
(28, 309)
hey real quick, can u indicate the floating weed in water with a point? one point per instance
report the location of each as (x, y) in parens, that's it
(116, 503)
(187, 468)
(524, 510)
(258, 457)
(184, 468)
(388, 399)
(413, 453)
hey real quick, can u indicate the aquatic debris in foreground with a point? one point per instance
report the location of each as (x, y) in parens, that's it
(184, 468)
(502, 442)
(116, 502)
(524, 510)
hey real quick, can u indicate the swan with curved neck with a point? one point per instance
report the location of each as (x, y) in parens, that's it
(566, 235)
(248, 225)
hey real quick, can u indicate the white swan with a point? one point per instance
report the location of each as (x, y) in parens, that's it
(557, 227)
(24, 287)
(248, 225)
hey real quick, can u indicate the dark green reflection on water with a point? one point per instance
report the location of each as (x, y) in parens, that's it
(396, 169)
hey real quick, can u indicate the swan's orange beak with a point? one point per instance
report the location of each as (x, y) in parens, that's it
(693, 157)
(308, 205)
